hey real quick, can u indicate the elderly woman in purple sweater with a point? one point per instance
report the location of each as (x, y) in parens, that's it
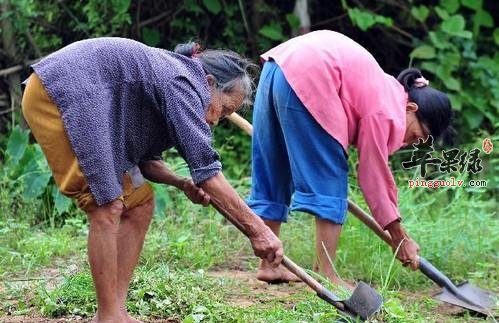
(103, 110)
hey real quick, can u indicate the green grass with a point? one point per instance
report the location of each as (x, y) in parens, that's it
(457, 231)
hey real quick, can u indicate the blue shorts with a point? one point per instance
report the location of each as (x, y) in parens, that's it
(296, 163)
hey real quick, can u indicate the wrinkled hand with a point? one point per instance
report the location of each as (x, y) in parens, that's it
(267, 246)
(408, 249)
(408, 252)
(195, 193)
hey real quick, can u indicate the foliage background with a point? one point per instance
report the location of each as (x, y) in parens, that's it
(454, 42)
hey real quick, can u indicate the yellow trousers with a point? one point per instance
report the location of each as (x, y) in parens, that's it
(44, 119)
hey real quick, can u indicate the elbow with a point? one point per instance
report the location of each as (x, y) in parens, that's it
(149, 168)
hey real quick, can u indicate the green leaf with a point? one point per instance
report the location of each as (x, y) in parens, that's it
(30, 155)
(387, 21)
(213, 6)
(151, 37)
(452, 83)
(456, 102)
(36, 174)
(439, 39)
(450, 6)
(442, 13)
(273, 32)
(483, 18)
(473, 118)
(18, 141)
(429, 66)
(472, 4)
(121, 5)
(420, 13)
(361, 19)
(35, 183)
(423, 52)
(61, 202)
(496, 36)
(293, 21)
(464, 34)
(453, 24)
(192, 6)
(452, 60)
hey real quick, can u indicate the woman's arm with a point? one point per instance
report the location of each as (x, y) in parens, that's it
(264, 242)
(156, 171)
(379, 189)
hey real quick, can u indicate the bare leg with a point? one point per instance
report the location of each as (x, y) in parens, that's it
(131, 234)
(102, 256)
(328, 233)
(268, 273)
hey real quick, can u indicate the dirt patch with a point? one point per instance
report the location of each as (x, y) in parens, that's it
(39, 319)
(248, 291)
(442, 311)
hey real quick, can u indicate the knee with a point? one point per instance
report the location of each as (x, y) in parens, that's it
(142, 214)
(106, 217)
(148, 210)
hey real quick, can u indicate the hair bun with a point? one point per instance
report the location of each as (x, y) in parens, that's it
(188, 49)
(408, 77)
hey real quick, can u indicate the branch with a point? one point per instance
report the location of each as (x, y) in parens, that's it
(402, 32)
(329, 20)
(154, 19)
(245, 21)
(17, 68)
(33, 44)
(6, 111)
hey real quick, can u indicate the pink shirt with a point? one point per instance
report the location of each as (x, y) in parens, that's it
(346, 91)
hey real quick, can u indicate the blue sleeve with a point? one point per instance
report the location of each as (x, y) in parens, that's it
(193, 137)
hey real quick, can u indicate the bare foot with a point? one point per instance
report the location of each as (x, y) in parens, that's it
(341, 283)
(335, 280)
(96, 319)
(122, 317)
(273, 275)
(129, 318)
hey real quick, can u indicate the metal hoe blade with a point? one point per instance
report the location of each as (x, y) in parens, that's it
(365, 301)
(483, 301)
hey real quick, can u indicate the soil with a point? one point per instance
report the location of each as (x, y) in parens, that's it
(39, 319)
(247, 291)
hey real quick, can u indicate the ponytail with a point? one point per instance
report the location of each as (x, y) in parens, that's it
(434, 108)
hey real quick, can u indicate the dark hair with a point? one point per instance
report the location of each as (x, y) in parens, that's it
(434, 106)
(228, 67)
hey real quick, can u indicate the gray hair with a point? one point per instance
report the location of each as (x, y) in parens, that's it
(229, 68)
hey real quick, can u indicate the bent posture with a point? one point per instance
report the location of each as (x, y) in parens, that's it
(318, 94)
(103, 110)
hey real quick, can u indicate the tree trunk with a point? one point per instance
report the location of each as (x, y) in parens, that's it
(13, 80)
(301, 11)
(256, 24)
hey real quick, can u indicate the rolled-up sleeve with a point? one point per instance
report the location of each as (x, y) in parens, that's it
(193, 137)
(374, 174)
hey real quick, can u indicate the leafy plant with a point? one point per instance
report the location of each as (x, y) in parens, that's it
(25, 175)
(458, 48)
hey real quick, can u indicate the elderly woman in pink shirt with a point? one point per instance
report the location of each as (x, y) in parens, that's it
(318, 94)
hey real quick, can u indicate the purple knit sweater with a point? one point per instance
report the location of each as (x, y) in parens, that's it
(123, 102)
